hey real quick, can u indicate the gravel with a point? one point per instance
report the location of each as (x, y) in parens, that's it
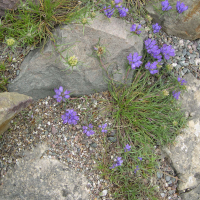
(41, 122)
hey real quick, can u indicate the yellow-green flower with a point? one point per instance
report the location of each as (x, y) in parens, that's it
(100, 50)
(169, 67)
(165, 92)
(93, 14)
(10, 42)
(149, 18)
(175, 123)
(84, 21)
(73, 60)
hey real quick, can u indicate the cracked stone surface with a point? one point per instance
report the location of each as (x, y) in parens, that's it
(185, 152)
(40, 178)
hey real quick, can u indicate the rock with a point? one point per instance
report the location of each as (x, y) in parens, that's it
(43, 178)
(112, 139)
(103, 193)
(185, 151)
(184, 25)
(11, 103)
(159, 174)
(42, 72)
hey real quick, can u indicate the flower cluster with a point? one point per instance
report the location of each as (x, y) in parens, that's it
(60, 95)
(176, 94)
(182, 81)
(122, 10)
(72, 61)
(165, 5)
(156, 28)
(88, 130)
(118, 163)
(153, 49)
(152, 67)
(134, 60)
(10, 42)
(70, 117)
(167, 51)
(137, 167)
(103, 126)
(127, 148)
(181, 7)
(108, 11)
(135, 28)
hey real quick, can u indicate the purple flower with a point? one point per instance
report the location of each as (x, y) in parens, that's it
(103, 128)
(122, 12)
(108, 12)
(135, 28)
(181, 7)
(60, 95)
(118, 1)
(153, 49)
(140, 158)
(137, 168)
(156, 28)
(165, 5)
(70, 117)
(167, 51)
(88, 130)
(118, 163)
(134, 60)
(127, 148)
(182, 81)
(152, 67)
(176, 94)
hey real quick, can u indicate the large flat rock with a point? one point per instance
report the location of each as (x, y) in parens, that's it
(43, 179)
(41, 72)
(185, 152)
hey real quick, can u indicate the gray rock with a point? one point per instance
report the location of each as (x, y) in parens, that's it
(185, 151)
(184, 25)
(112, 139)
(193, 194)
(159, 174)
(11, 103)
(94, 145)
(184, 52)
(167, 178)
(41, 72)
(43, 178)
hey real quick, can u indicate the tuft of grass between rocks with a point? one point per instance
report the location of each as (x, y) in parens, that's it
(144, 115)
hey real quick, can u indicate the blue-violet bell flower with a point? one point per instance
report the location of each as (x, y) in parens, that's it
(182, 81)
(70, 117)
(88, 130)
(140, 158)
(122, 11)
(165, 5)
(167, 51)
(135, 28)
(108, 12)
(152, 67)
(118, 163)
(60, 95)
(156, 28)
(137, 168)
(181, 7)
(176, 94)
(103, 126)
(134, 60)
(127, 148)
